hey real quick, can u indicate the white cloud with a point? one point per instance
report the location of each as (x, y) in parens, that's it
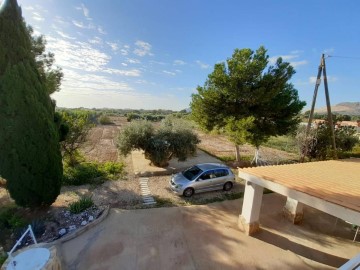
(113, 45)
(312, 79)
(179, 63)
(298, 63)
(83, 25)
(62, 34)
(78, 24)
(292, 58)
(60, 20)
(142, 48)
(85, 10)
(169, 72)
(101, 30)
(30, 8)
(36, 16)
(128, 73)
(77, 55)
(125, 50)
(96, 40)
(202, 65)
(272, 60)
(157, 62)
(133, 61)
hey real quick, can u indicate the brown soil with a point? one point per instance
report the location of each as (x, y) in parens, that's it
(124, 193)
(220, 146)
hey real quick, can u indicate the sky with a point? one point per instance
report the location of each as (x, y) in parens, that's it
(143, 54)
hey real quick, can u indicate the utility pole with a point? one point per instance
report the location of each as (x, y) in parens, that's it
(322, 69)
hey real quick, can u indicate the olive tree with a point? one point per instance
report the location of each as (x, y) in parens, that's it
(172, 140)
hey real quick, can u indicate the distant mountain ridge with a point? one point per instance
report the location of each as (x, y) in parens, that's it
(349, 108)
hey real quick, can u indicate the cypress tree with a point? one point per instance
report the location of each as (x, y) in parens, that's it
(30, 158)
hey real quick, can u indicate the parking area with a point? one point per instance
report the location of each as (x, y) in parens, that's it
(207, 237)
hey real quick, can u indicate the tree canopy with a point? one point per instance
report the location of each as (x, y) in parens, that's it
(77, 125)
(172, 139)
(29, 140)
(248, 98)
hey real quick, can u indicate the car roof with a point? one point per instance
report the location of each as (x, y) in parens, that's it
(210, 166)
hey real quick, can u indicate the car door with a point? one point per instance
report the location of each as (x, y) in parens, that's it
(220, 178)
(204, 181)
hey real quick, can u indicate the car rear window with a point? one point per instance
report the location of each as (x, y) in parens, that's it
(192, 172)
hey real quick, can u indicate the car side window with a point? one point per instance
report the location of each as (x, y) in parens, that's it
(208, 175)
(221, 172)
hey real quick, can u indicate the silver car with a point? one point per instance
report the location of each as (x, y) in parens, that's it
(201, 178)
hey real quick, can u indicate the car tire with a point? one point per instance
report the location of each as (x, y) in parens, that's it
(228, 186)
(188, 192)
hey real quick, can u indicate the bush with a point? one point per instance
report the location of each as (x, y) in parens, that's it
(92, 173)
(172, 139)
(2, 259)
(105, 120)
(9, 219)
(112, 169)
(81, 205)
(320, 141)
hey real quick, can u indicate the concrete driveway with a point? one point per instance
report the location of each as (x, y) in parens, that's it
(203, 237)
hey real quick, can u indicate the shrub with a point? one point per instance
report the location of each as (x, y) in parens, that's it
(173, 139)
(112, 169)
(105, 120)
(9, 219)
(2, 259)
(82, 204)
(80, 174)
(92, 173)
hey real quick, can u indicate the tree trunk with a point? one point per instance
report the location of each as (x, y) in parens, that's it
(237, 152)
(256, 157)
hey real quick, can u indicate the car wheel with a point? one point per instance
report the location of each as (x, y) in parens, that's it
(188, 192)
(228, 186)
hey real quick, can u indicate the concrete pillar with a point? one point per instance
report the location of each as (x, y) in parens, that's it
(249, 218)
(293, 210)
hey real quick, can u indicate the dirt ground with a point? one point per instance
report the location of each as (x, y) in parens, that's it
(219, 145)
(125, 193)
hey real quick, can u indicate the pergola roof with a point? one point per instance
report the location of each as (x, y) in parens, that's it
(334, 181)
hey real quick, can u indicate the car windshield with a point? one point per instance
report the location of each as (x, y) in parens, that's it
(192, 172)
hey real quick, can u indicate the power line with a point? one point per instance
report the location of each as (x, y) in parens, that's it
(348, 57)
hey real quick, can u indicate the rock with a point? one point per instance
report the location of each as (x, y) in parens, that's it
(83, 223)
(91, 218)
(62, 232)
(72, 227)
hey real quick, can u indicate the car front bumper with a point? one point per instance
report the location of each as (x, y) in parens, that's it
(178, 191)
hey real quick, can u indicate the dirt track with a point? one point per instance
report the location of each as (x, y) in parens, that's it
(101, 142)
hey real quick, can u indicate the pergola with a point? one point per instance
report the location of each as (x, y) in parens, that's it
(330, 186)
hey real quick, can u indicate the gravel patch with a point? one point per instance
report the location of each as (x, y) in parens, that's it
(160, 190)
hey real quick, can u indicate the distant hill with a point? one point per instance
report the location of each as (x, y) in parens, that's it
(349, 108)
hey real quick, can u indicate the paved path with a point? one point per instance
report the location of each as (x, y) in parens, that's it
(203, 237)
(145, 191)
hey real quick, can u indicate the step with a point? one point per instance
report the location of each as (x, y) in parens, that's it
(149, 203)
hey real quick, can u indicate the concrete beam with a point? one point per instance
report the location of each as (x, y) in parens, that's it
(333, 209)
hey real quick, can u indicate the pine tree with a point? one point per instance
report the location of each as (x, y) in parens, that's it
(30, 159)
